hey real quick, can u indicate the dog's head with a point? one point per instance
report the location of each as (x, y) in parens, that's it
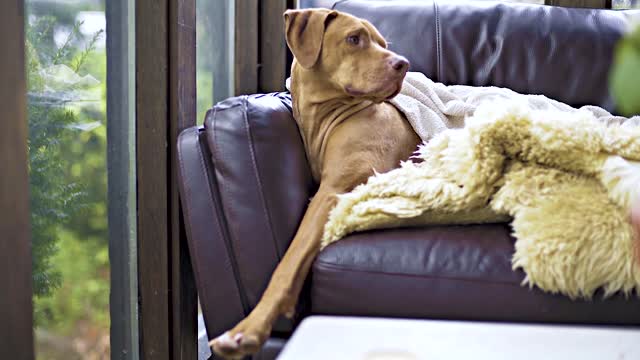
(347, 52)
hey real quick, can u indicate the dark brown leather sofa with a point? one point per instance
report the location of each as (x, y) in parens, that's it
(245, 181)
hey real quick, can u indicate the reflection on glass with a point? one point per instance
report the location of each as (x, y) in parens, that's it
(214, 55)
(625, 4)
(66, 70)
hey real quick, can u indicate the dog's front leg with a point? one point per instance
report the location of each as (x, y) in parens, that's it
(281, 295)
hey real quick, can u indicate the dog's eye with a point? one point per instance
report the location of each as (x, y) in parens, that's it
(353, 39)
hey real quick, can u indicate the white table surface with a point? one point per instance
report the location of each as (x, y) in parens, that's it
(350, 338)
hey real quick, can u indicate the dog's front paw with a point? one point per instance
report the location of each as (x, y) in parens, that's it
(245, 339)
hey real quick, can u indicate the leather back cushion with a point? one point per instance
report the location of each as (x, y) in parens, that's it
(559, 52)
(263, 180)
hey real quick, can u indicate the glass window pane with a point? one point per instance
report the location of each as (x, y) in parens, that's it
(214, 54)
(66, 61)
(625, 4)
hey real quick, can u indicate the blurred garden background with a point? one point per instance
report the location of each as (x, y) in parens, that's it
(66, 59)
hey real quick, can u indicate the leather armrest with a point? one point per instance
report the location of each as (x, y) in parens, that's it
(245, 184)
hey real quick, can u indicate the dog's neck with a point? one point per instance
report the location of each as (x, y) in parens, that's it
(318, 108)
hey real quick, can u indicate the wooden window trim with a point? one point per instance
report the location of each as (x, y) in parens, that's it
(273, 47)
(123, 260)
(246, 46)
(182, 114)
(593, 4)
(16, 309)
(165, 104)
(261, 54)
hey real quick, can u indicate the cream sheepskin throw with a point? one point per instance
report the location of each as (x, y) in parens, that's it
(565, 179)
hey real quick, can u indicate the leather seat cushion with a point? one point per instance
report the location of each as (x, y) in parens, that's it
(449, 272)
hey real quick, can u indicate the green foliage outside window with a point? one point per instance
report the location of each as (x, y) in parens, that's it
(68, 182)
(53, 84)
(625, 74)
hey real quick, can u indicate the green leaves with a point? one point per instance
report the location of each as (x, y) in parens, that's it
(53, 86)
(625, 74)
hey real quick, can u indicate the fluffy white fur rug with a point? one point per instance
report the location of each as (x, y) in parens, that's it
(564, 178)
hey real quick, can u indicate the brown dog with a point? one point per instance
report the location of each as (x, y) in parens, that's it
(340, 78)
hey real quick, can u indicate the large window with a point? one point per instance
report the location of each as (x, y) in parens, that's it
(66, 110)
(109, 267)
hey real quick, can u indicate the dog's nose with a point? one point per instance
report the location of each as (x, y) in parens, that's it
(399, 63)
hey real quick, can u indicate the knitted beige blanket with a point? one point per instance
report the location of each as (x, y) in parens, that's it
(564, 177)
(434, 107)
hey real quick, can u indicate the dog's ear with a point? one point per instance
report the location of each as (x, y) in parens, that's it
(304, 31)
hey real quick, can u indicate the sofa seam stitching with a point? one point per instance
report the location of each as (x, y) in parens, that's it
(186, 209)
(256, 172)
(333, 7)
(231, 250)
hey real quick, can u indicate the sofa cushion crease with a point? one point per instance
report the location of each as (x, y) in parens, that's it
(481, 287)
